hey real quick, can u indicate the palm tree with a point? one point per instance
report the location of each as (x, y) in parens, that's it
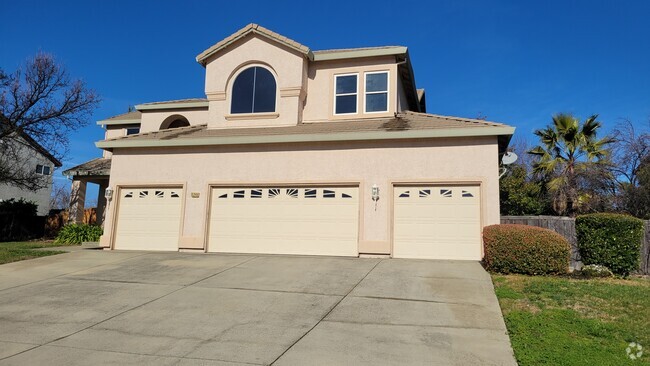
(568, 153)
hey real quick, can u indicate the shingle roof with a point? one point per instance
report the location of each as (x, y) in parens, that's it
(402, 122)
(98, 166)
(255, 29)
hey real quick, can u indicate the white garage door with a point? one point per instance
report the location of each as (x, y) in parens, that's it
(148, 218)
(437, 222)
(285, 220)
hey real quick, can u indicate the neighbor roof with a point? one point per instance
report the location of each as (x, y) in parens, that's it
(38, 147)
(407, 125)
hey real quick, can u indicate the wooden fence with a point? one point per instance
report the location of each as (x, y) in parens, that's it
(566, 226)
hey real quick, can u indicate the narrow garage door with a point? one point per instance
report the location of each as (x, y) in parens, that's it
(437, 222)
(286, 220)
(148, 219)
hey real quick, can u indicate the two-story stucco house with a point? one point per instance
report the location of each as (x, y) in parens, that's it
(296, 151)
(23, 154)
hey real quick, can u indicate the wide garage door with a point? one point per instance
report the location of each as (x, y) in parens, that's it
(437, 222)
(285, 220)
(148, 218)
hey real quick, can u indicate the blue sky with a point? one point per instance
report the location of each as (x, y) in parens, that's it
(516, 62)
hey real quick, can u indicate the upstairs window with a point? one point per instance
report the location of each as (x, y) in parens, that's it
(376, 92)
(132, 130)
(42, 169)
(346, 94)
(253, 91)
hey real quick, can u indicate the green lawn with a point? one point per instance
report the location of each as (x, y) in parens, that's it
(565, 321)
(18, 251)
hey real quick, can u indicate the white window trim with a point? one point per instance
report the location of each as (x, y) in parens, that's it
(346, 94)
(365, 93)
(42, 170)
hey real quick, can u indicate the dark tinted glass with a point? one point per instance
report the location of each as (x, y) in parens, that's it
(376, 82)
(346, 104)
(346, 84)
(376, 102)
(264, 91)
(242, 92)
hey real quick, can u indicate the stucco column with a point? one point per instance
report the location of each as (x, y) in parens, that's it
(77, 201)
(101, 203)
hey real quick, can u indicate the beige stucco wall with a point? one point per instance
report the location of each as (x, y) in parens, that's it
(367, 163)
(319, 106)
(288, 66)
(151, 120)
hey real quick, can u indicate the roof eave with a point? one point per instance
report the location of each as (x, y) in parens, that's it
(202, 58)
(108, 122)
(347, 54)
(319, 137)
(179, 105)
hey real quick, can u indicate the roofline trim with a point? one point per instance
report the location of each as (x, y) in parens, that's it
(109, 122)
(253, 28)
(316, 137)
(352, 53)
(174, 105)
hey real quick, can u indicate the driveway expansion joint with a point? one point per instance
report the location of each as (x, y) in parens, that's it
(328, 313)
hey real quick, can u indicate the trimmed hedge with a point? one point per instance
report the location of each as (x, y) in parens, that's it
(78, 233)
(525, 249)
(610, 240)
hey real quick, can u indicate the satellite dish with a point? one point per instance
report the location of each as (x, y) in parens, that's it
(508, 158)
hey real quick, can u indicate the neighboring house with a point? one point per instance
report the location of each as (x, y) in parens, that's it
(297, 151)
(29, 156)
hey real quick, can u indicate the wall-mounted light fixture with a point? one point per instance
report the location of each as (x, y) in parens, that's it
(375, 192)
(108, 193)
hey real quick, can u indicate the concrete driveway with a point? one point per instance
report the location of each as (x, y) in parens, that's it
(125, 308)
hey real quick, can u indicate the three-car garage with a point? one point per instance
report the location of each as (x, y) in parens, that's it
(431, 221)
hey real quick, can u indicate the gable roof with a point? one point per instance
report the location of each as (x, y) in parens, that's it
(407, 125)
(256, 29)
(39, 148)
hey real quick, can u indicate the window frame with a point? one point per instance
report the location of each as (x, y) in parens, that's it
(356, 94)
(40, 169)
(365, 92)
(232, 84)
(126, 131)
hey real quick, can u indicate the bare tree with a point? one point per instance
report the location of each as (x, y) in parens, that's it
(629, 151)
(60, 198)
(39, 103)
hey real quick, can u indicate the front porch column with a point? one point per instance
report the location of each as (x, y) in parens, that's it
(77, 201)
(101, 203)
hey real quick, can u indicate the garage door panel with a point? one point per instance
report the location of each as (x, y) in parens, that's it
(148, 219)
(285, 220)
(440, 222)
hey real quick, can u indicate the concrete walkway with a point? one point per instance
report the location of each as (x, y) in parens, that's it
(94, 307)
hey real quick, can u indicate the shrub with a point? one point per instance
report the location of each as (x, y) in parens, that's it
(611, 240)
(78, 233)
(18, 208)
(525, 249)
(595, 270)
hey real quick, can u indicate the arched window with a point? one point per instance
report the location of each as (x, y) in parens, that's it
(253, 91)
(174, 121)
